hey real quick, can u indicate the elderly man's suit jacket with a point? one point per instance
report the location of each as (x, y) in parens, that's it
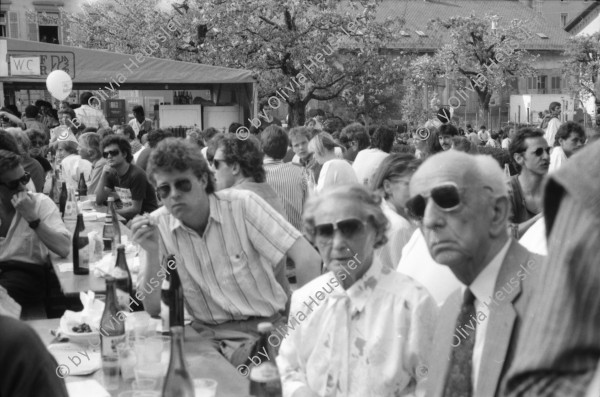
(512, 292)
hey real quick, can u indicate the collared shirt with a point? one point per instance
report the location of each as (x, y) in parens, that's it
(557, 158)
(91, 117)
(551, 131)
(22, 243)
(369, 340)
(484, 288)
(145, 126)
(228, 273)
(287, 180)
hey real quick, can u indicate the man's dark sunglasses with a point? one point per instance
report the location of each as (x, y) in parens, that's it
(113, 153)
(14, 184)
(445, 196)
(183, 185)
(539, 151)
(348, 227)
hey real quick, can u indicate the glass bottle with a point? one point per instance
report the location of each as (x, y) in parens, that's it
(178, 382)
(81, 258)
(111, 232)
(62, 201)
(82, 186)
(112, 332)
(122, 275)
(172, 307)
(264, 377)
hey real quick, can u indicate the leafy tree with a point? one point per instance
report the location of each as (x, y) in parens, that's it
(583, 64)
(276, 39)
(481, 59)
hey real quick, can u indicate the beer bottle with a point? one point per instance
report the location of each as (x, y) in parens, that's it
(171, 308)
(82, 186)
(122, 275)
(112, 331)
(62, 201)
(111, 232)
(178, 382)
(81, 258)
(264, 377)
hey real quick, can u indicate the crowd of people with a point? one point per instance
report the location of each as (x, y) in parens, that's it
(437, 262)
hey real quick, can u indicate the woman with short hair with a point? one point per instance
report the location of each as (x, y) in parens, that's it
(360, 329)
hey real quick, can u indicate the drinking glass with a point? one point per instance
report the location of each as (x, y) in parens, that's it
(205, 387)
(140, 393)
(154, 371)
(110, 371)
(144, 384)
(127, 360)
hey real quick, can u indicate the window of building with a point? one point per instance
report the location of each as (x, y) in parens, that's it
(563, 19)
(555, 84)
(48, 27)
(3, 30)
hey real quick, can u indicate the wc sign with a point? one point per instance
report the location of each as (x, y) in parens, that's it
(25, 66)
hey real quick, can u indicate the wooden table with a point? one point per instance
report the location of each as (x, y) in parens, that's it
(209, 364)
(70, 283)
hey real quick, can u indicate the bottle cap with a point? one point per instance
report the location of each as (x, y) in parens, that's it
(111, 199)
(265, 327)
(121, 247)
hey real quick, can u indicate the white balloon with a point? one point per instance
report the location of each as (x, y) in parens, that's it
(59, 84)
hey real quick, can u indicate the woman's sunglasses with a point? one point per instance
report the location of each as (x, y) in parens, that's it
(183, 185)
(14, 184)
(349, 228)
(445, 196)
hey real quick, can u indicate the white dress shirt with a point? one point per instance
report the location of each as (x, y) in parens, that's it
(557, 158)
(483, 288)
(369, 340)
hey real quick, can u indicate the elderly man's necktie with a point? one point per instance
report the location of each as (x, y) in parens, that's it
(459, 382)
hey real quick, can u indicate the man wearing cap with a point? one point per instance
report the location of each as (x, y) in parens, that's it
(462, 206)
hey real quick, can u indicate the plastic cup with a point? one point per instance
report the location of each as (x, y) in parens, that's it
(110, 372)
(127, 360)
(205, 387)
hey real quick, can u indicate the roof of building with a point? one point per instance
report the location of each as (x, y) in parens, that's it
(418, 13)
(581, 20)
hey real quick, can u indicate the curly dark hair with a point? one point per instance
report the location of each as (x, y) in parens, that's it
(357, 132)
(246, 153)
(155, 136)
(383, 139)
(447, 129)
(174, 154)
(517, 145)
(121, 142)
(565, 130)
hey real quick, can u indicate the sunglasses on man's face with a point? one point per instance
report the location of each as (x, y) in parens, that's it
(349, 228)
(14, 184)
(446, 197)
(183, 185)
(539, 151)
(113, 153)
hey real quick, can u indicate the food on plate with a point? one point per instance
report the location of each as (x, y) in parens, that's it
(82, 328)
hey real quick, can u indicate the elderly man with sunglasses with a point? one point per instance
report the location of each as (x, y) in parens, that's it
(30, 225)
(227, 245)
(461, 203)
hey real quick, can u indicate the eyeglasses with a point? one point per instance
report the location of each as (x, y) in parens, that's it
(539, 151)
(14, 184)
(183, 185)
(446, 196)
(348, 227)
(112, 153)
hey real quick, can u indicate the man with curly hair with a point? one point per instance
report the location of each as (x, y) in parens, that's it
(228, 246)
